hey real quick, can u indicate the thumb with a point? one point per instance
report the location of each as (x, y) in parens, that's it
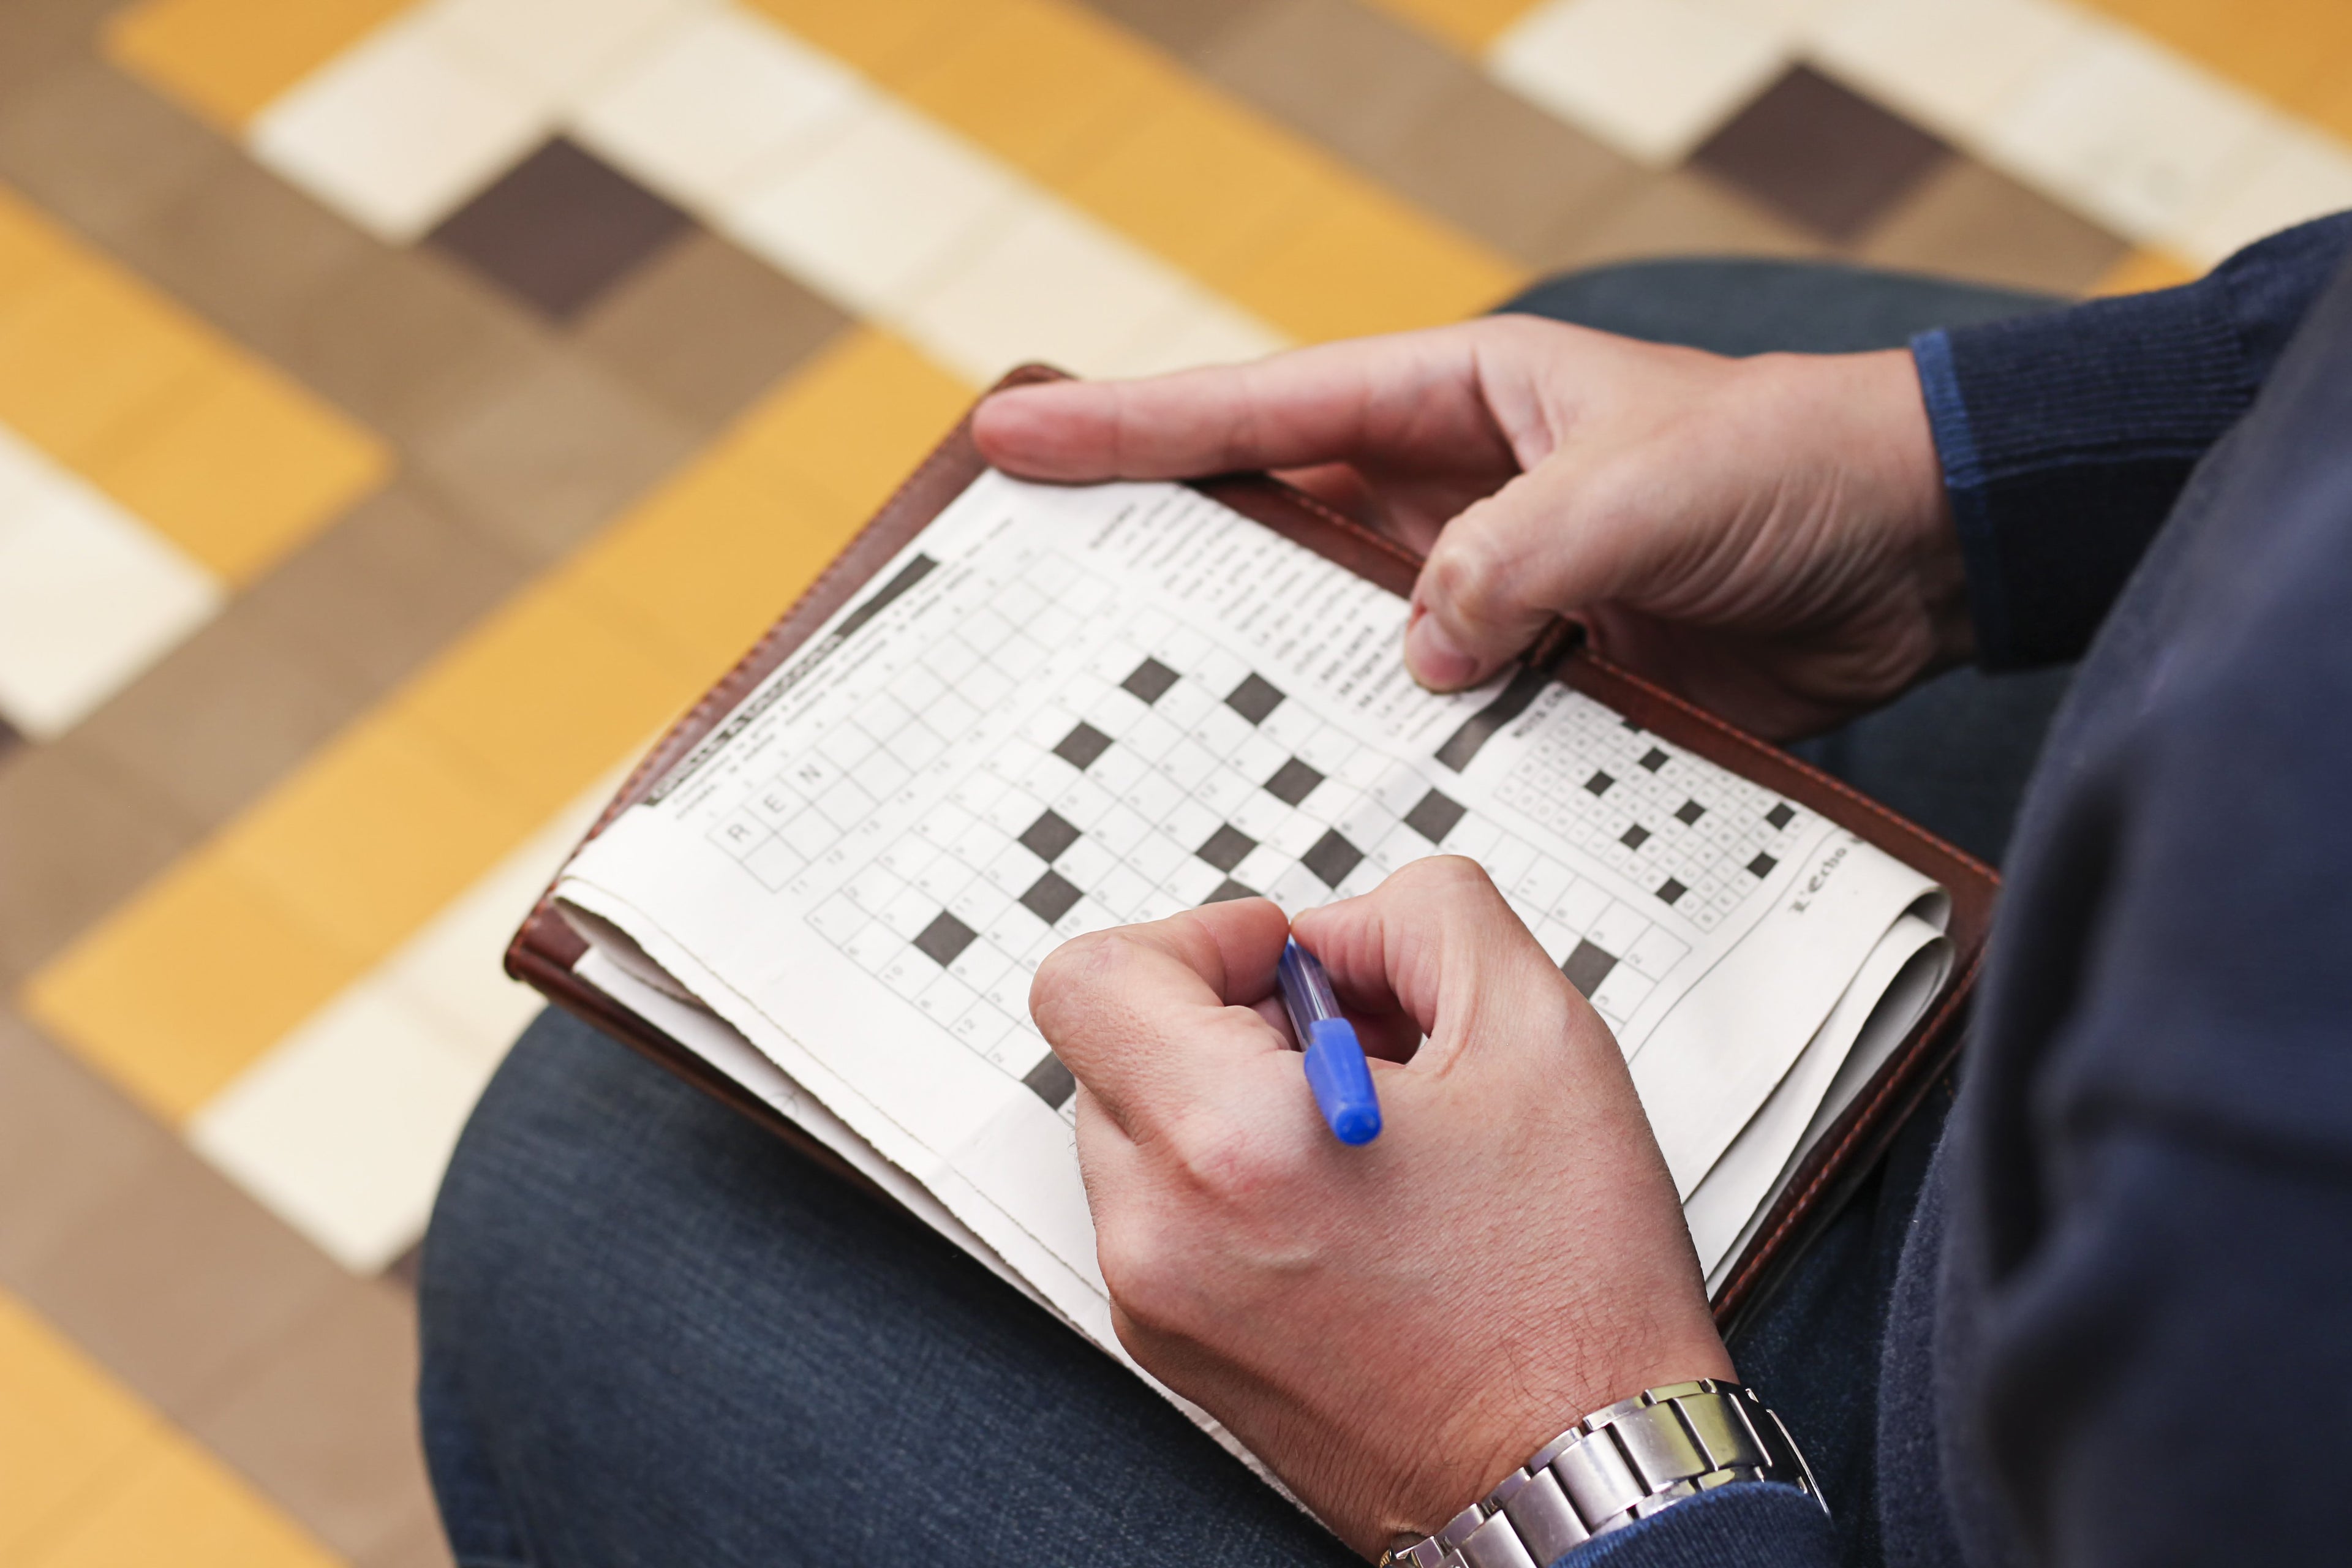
(1497, 574)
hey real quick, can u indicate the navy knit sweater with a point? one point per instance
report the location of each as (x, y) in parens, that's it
(2122, 1329)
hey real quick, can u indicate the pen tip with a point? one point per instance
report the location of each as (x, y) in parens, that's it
(1357, 1125)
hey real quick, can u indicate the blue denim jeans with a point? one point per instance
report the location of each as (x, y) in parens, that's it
(653, 1334)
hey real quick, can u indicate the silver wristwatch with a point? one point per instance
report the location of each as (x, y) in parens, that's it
(1617, 1464)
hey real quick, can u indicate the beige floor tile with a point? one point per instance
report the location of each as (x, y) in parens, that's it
(247, 250)
(545, 456)
(420, 1545)
(1183, 28)
(179, 1283)
(40, 37)
(1417, 117)
(1356, 80)
(1969, 221)
(1506, 171)
(68, 1145)
(388, 586)
(1682, 213)
(705, 329)
(325, 1423)
(100, 151)
(403, 338)
(214, 724)
(76, 836)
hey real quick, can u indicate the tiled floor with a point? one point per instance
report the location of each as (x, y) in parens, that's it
(406, 405)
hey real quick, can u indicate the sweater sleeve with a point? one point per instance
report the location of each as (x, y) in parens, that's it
(2065, 435)
(1750, 1524)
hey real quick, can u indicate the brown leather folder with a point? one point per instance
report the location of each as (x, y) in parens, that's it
(544, 951)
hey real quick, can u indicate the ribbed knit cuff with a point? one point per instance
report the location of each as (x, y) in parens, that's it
(2064, 438)
(1749, 1524)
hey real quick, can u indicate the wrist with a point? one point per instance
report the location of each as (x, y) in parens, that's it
(1627, 1461)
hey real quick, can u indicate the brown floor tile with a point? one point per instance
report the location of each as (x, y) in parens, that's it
(76, 836)
(401, 1271)
(1684, 212)
(704, 329)
(420, 1545)
(224, 716)
(39, 37)
(100, 152)
(1415, 117)
(406, 337)
(387, 587)
(247, 251)
(1180, 27)
(9, 738)
(68, 1145)
(543, 457)
(180, 1283)
(559, 228)
(1969, 221)
(326, 1422)
(1818, 153)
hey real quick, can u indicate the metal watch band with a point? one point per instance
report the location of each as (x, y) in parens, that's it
(1617, 1464)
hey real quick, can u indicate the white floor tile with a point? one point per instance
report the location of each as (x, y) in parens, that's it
(399, 132)
(1199, 330)
(720, 99)
(345, 1128)
(89, 596)
(453, 971)
(1652, 77)
(2291, 174)
(1049, 285)
(882, 209)
(1951, 65)
(553, 51)
(2127, 132)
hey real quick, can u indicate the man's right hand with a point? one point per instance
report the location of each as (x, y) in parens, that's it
(1768, 536)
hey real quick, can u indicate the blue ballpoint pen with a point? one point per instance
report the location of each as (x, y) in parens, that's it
(1335, 1069)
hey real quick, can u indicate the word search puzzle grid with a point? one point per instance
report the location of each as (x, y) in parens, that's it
(1167, 773)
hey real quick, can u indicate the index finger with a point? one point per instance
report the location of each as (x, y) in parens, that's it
(1326, 403)
(1155, 1013)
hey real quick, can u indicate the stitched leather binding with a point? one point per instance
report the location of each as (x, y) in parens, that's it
(545, 949)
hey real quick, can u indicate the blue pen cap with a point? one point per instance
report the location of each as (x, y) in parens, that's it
(1342, 1081)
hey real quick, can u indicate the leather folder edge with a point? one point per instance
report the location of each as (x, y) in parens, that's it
(545, 948)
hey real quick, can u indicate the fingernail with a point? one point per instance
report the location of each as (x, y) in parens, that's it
(1436, 659)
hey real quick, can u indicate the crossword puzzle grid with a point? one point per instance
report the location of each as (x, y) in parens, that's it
(1165, 774)
(1699, 838)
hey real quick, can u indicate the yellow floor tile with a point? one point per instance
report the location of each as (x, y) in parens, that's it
(182, 988)
(1354, 259)
(226, 59)
(857, 420)
(87, 356)
(1198, 186)
(66, 1430)
(1041, 88)
(774, 530)
(375, 833)
(244, 469)
(1357, 261)
(1468, 24)
(2143, 270)
(547, 695)
(2292, 52)
(212, 964)
(178, 1505)
(32, 253)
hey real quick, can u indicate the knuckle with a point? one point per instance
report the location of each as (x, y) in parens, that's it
(1074, 979)
(1451, 878)
(1470, 570)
